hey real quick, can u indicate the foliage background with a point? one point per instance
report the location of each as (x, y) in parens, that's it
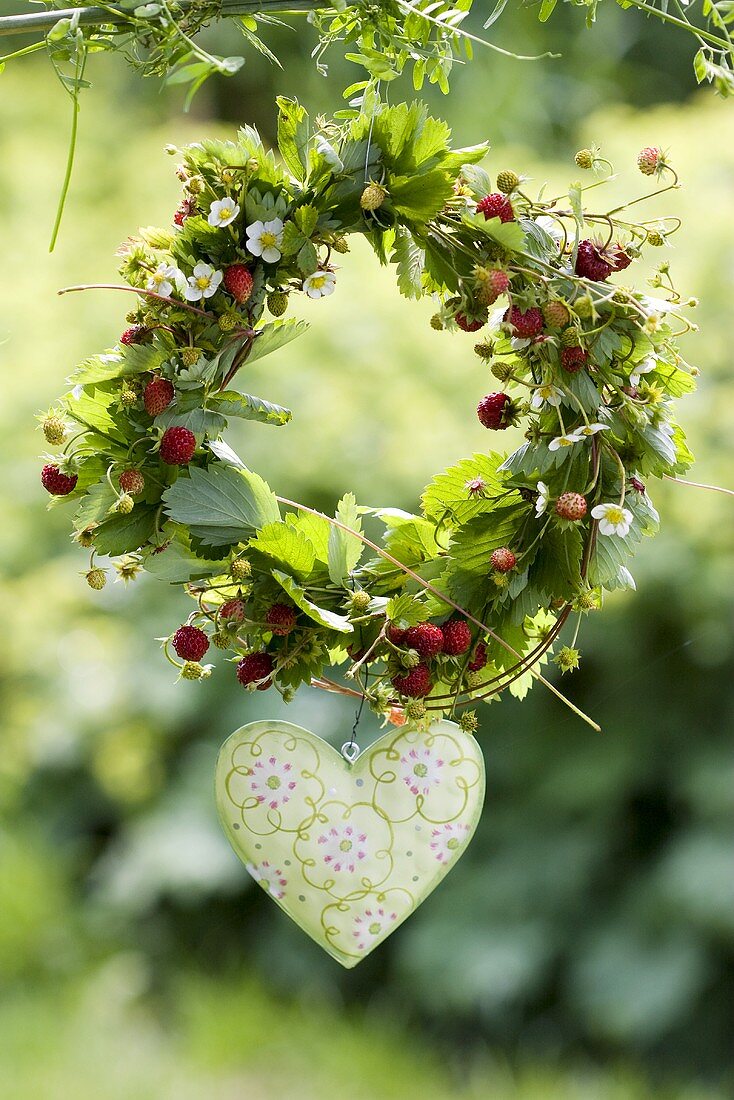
(584, 947)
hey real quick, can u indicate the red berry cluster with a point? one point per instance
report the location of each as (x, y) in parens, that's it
(429, 641)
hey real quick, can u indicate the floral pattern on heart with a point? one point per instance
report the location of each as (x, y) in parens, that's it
(349, 850)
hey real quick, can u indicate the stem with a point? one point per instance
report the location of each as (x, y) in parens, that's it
(700, 485)
(445, 599)
(137, 290)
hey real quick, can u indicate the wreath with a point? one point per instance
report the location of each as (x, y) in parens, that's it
(451, 605)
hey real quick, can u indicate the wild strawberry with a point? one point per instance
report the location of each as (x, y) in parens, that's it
(256, 667)
(54, 430)
(134, 335)
(496, 206)
(240, 569)
(493, 411)
(396, 634)
(277, 302)
(618, 258)
(190, 643)
(57, 483)
(466, 325)
(526, 324)
(425, 638)
(373, 196)
(232, 611)
(556, 314)
(96, 578)
(124, 505)
(132, 482)
(479, 659)
(185, 210)
(571, 506)
(280, 618)
(650, 160)
(584, 159)
(238, 282)
(573, 358)
(158, 395)
(177, 446)
(507, 181)
(590, 263)
(456, 637)
(416, 683)
(491, 283)
(503, 560)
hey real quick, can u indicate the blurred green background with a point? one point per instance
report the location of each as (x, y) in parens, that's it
(584, 947)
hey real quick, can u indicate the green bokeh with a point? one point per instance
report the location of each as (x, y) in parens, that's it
(591, 924)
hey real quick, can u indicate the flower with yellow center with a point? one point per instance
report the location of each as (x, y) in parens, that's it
(320, 284)
(567, 440)
(163, 279)
(203, 283)
(264, 239)
(222, 213)
(613, 519)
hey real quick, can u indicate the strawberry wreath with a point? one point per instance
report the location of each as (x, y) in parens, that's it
(445, 608)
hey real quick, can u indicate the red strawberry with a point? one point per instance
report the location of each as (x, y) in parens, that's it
(185, 210)
(132, 482)
(590, 262)
(456, 637)
(571, 506)
(496, 206)
(573, 358)
(158, 395)
(650, 160)
(238, 282)
(466, 325)
(280, 618)
(503, 560)
(255, 667)
(395, 634)
(57, 483)
(232, 611)
(177, 446)
(493, 410)
(190, 643)
(526, 324)
(495, 282)
(618, 258)
(416, 683)
(426, 639)
(134, 335)
(479, 659)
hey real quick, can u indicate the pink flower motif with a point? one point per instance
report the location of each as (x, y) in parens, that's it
(421, 769)
(447, 839)
(343, 847)
(370, 925)
(270, 878)
(272, 782)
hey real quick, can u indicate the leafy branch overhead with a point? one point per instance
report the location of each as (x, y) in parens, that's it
(467, 596)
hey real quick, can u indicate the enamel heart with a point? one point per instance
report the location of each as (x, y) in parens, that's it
(349, 850)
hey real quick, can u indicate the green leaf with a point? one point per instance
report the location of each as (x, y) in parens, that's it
(178, 563)
(448, 493)
(274, 336)
(420, 198)
(202, 422)
(345, 550)
(95, 506)
(122, 534)
(321, 615)
(556, 570)
(136, 359)
(294, 131)
(405, 611)
(288, 546)
(248, 407)
(307, 258)
(410, 260)
(317, 530)
(221, 505)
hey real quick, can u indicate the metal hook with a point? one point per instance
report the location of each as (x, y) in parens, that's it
(350, 751)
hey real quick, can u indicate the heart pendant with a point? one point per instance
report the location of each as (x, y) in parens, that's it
(349, 850)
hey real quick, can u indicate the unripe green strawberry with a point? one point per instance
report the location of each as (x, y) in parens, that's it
(655, 238)
(240, 569)
(221, 639)
(484, 351)
(410, 658)
(584, 159)
(507, 181)
(359, 602)
(228, 321)
(584, 307)
(373, 196)
(125, 505)
(54, 430)
(469, 721)
(277, 302)
(96, 578)
(502, 371)
(341, 245)
(570, 338)
(556, 314)
(192, 670)
(567, 659)
(190, 356)
(128, 397)
(436, 322)
(415, 710)
(85, 537)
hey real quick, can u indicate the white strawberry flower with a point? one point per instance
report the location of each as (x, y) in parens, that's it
(223, 212)
(163, 279)
(613, 519)
(264, 239)
(641, 368)
(566, 440)
(320, 284)
(591, 429)
(203, 283)
(541, 502)
(546, 394)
